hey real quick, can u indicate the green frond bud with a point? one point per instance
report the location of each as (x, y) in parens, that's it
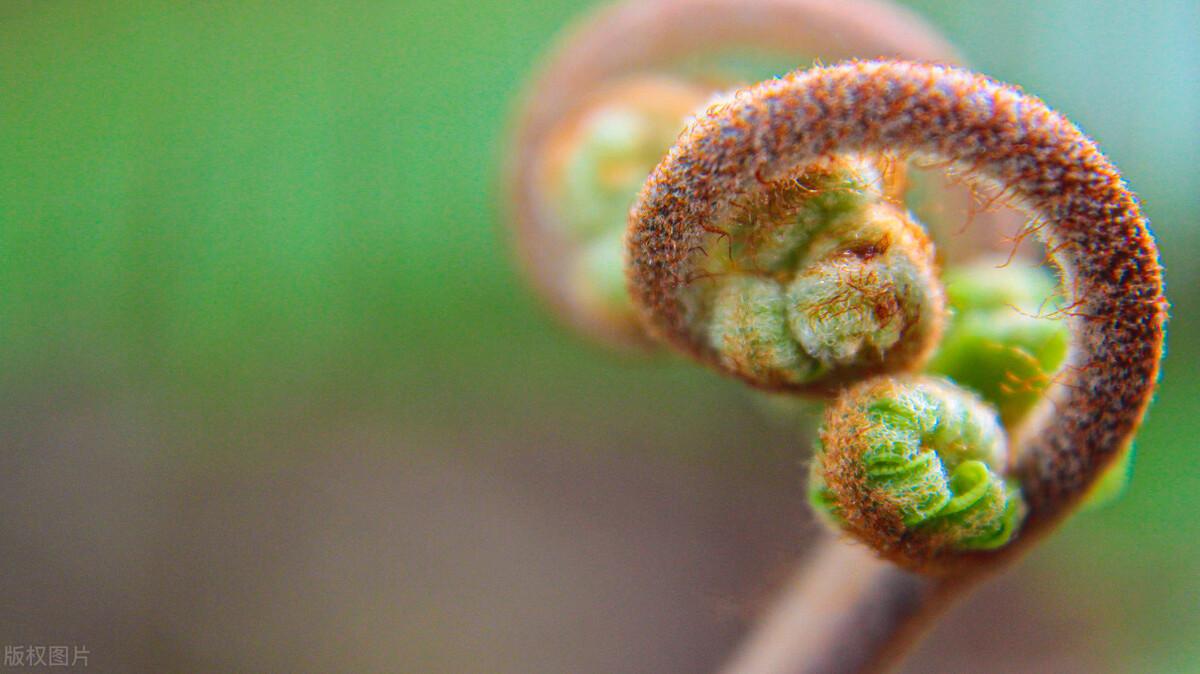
(749, 329)
(915, 467)
(1002, 340)
(866, 284)
(842, 307)
(860, 293)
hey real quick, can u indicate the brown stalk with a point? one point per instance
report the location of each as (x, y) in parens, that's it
(845, 611)
(1092, 227)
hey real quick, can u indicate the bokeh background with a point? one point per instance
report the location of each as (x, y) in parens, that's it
(273, 397)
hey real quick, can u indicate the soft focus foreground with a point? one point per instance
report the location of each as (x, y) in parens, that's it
(274, 399)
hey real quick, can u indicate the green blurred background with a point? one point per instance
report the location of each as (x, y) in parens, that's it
(274, 398)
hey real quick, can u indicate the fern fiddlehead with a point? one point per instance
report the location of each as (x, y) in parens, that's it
(611, 100)
(891, 467)
(1113, 303)
(772, 243)
(915, 466)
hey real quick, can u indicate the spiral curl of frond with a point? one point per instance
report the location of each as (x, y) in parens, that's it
(915, 466)
(1090, 223)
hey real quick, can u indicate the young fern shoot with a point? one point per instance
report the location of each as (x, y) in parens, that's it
(1096, 233)
(928, 474)
(915, 466)
(970, 411)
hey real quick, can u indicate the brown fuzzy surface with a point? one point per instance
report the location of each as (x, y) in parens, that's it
(1090, 222)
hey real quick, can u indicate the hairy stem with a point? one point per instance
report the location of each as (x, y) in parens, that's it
(844, 612)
